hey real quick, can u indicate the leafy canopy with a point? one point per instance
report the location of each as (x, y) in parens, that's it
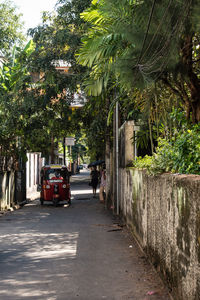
(10, 27)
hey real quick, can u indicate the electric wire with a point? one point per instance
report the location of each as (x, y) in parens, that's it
(156, 56)
(148, 26)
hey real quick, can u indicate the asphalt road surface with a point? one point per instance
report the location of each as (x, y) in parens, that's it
(77, 252)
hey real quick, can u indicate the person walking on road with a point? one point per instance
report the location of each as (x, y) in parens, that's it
(94, 175)
(102, 186)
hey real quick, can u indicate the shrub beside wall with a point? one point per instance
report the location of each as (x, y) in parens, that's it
(164, 214)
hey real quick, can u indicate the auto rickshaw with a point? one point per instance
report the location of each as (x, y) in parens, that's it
(55, 185)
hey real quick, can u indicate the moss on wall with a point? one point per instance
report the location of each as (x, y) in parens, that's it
(165, 213)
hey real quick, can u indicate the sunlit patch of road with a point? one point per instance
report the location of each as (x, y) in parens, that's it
(56, 245)
(80, 185)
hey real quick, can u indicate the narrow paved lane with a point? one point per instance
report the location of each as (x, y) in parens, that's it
(67, 253)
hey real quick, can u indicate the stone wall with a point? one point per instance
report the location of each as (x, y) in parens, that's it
(164, 214)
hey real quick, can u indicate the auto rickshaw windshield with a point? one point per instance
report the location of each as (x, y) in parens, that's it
(50, 173)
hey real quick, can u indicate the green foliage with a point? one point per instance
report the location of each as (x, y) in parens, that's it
(136, 43)
(33, 114)
(14, 74)
(34, 111)
(180, 155)
(14, 85)
(10, 27)
(120, 41)
(143, 162)
(56, 42)
(94, 117)
(69, 12)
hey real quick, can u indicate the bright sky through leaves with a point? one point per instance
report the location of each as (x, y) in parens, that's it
(32, 10)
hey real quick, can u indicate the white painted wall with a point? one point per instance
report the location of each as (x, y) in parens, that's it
(33, 167)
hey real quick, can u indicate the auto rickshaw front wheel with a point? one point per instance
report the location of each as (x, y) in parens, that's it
(55, 201)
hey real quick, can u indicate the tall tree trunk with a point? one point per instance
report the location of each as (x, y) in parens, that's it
(151, 136)
(52, 150)
(193, 83)
(108, 160)
(114, 190)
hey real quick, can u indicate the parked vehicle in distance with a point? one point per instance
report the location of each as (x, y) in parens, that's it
(55, 185)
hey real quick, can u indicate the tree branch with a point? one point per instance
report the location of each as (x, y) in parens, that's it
(173, 89)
